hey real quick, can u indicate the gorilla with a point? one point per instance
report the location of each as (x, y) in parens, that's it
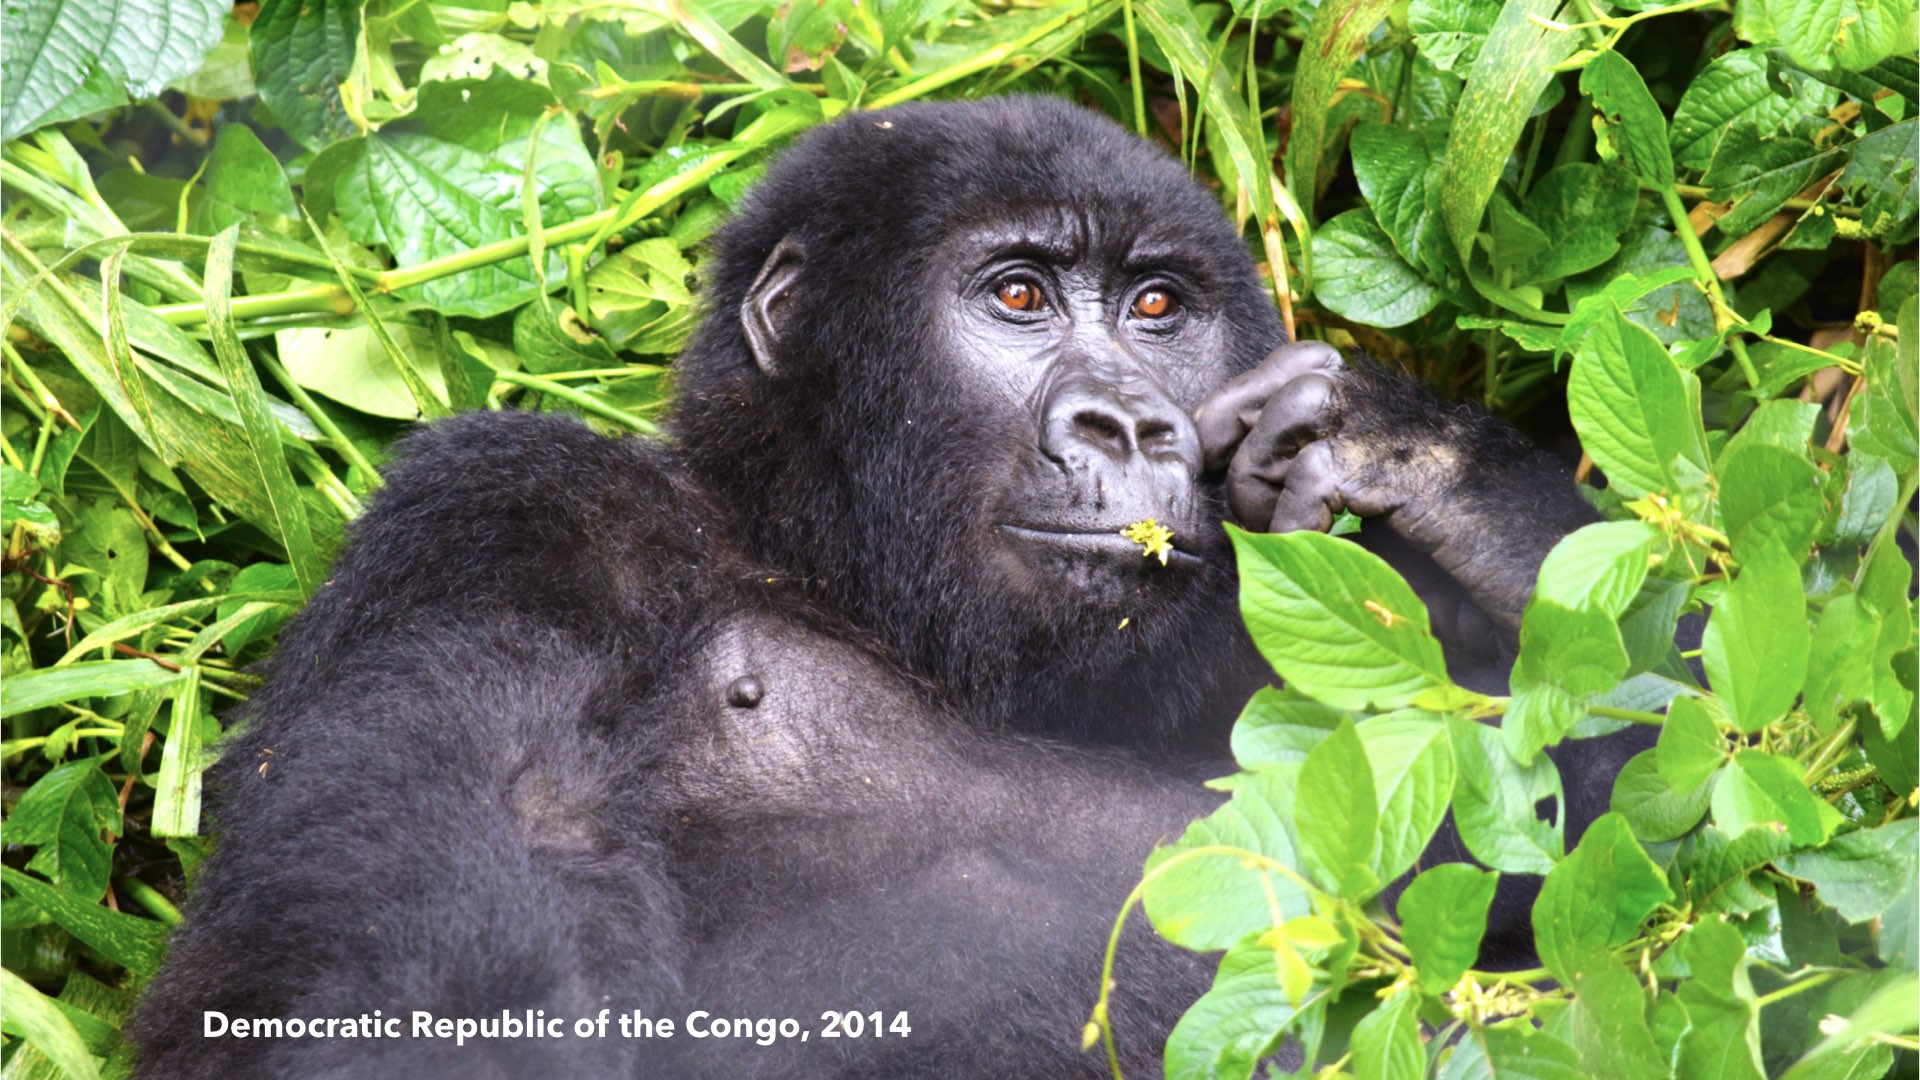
(849, 697)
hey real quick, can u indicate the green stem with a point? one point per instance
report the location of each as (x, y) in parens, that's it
(1133, 71)
(586, 401)
(150, 898)
(335, 437)
(926, 84)
(1808, 983)
(1695, 191)
(1703, 270)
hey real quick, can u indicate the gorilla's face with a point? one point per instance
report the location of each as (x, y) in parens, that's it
(1093, 345)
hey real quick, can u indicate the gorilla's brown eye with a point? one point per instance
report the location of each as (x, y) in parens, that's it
(1154, 304)
(1019, 295)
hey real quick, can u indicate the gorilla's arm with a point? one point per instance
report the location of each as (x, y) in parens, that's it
(1472, 507)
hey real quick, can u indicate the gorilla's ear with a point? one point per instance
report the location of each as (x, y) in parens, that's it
(764, 312)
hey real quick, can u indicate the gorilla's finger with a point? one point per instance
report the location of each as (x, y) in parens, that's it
(1226, 415)
(1311, 494)
(1298, 413)
(1252, 486)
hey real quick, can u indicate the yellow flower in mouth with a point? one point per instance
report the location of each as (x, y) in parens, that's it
(1154, 539)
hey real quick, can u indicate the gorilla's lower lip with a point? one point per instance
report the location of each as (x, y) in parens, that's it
(1102, 541)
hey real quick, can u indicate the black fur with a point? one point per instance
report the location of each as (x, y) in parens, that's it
(498, 764)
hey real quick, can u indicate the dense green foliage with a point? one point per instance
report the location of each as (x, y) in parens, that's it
(242, 249)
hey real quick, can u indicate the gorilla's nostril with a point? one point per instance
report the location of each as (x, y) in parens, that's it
(1102, 429)
(1150, 432)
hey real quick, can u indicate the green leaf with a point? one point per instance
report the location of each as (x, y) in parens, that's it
(1279, 727)
(63, 59)
(18, 507)
(302, 52)
(1449, 33)
(1360, 276)
(1769, 497)
(1884, 424)
(1862, 873)
(1334, 40)
(1884, 181)
(640, 300)
(1608, 1025)
(1494, 799)
(1690, 748)
(1654, 808)
(243, 179)
(1515, 64)
(1568, 657)
(1443, 916)
(1599, 566)
(1412, 760)
(68, 814)
(1337, 817)
(263, 434)
(447, 179)
(1889, 1011)
(135, 944)
(1582, 208)
(1717, 869)
(1756, 643)
(1634, 411)
(1306, 599)
(36, 1020)
(1632, 129)
(1724, 1039)
(1762, 791)
(29, 690)
(1235, 1023)
(1392, 165)
(1851, 34)
(1595, 899)
(1759, 175)
(49, 48)
(1647, 626)
(1512, 1053)
(1386, 1042)
(1210, 900)
(176, 804)
(1736, 89)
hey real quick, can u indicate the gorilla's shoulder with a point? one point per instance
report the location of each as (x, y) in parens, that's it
(529, 513)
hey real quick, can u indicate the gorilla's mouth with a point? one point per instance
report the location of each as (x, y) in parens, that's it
(1096, 542)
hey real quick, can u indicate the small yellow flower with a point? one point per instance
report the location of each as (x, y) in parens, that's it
(1154, 539)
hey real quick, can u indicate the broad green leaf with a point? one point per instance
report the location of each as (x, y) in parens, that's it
(36, 1020)
(1335, 620)
(447, 179)
(1599, 566)
(1568, 656)
(348, 364)
(243, 179)
(640, 300)
(1337, 817)
(1884, 181)
(1690, 747)
(1851, 34)
(1514, 66)
(1210, 900)
(63, 59)
(1361, 277)
(1735, 89)
(1595, 899)
(1647, 626)
(549, 336)
(1891, 1010)
(1769, 497)
(1650, 281)
(270, 464)
(1279, 727)
(1862, 873)
(1633, 131)
(1582, 209)
(1443, 916)
(1450, 32)
(29, 690)
(1872, 489)
(1758, 175)
(133, 943)
(1762, 791)
(1655, 809)
(1884, 424)
(1608, 1025)
(1235, 1023)
(1339, 31)
(1717, 868)
(1494, 799)
(1386, 1042)
(1634, 410)
(49, 48)
(302, 52)
(1391, 165)
(1724, 1039)
(19, 507)
(1412, 760)
(1783, 423)
(68, 814)
(1840, 660)
(1512, 1053)
(1756, 643)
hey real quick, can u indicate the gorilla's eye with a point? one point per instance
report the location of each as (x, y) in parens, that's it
(1155, 304)
(1018, 294)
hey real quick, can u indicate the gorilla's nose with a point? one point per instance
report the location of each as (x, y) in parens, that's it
(1087, 417)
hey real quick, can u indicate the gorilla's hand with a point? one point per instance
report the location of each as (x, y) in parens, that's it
(1306, 435)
